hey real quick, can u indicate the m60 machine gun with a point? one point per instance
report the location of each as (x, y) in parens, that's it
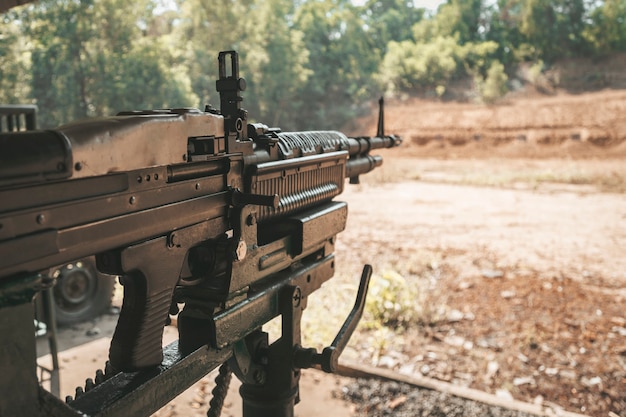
(235, 221)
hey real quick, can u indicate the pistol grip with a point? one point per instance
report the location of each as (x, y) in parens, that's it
(150, 273)
(137, 341)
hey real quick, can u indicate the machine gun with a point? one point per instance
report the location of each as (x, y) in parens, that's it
(235, 221)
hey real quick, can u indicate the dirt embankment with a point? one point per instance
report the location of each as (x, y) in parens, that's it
(591, 125)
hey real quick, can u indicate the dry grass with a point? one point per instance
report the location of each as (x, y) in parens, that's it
(604, 176)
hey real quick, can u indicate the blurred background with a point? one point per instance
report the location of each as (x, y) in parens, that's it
(309, 64)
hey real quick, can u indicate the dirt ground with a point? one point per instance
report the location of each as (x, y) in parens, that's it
(510, 222)
(506, 226)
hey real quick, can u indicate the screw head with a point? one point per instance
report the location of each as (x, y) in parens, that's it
(297, 297)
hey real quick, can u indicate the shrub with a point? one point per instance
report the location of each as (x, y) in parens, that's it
(493, 86)
(391, 301)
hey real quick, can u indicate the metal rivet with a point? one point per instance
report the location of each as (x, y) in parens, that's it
(132, 200)
(41, 219)
(78, 166)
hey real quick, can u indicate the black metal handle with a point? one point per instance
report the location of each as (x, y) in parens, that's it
(328, 360)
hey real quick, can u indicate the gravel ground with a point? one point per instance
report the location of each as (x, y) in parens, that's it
(375, 398)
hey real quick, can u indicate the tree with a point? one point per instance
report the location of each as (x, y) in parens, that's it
(91, 58)
(204, 28)
(13, 62)
(503, 21)
(493, 86)
(342, 61)
(421, 67)
(61, 72)
(390, 20)
(554, 27)
(277, 63)
(457, 18)
(607, 31)
(427, 67)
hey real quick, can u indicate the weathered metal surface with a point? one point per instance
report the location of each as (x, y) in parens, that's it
(135, 141)
(143, 393)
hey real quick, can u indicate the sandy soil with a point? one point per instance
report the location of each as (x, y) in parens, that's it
(522, 291)
(511, 227)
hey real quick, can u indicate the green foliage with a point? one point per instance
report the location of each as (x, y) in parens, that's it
(554, 27)
(14, 63)
(607, 33)
(419, 66)
(342, 60)
(461, 19)
(276, 63)
(493, 86)
(310, 64)
(504, 21)
(479, 57)
(391, 301)
(389, 21)
(410, 66)
(91, 58)
(199, 31)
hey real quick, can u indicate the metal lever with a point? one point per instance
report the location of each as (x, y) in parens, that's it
(239, 199)
(328, 360)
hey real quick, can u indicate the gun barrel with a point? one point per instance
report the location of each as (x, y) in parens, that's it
(362, 145)
(362, 165)
(361, 162)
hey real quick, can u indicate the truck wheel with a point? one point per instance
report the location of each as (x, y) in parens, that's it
(81, 292)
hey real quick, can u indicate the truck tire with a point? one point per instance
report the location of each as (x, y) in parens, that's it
(81, 293)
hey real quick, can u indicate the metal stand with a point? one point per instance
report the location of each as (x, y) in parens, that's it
(49, 319)
(273, 389)
(19, 376)
(270, 373)
(270, 380)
